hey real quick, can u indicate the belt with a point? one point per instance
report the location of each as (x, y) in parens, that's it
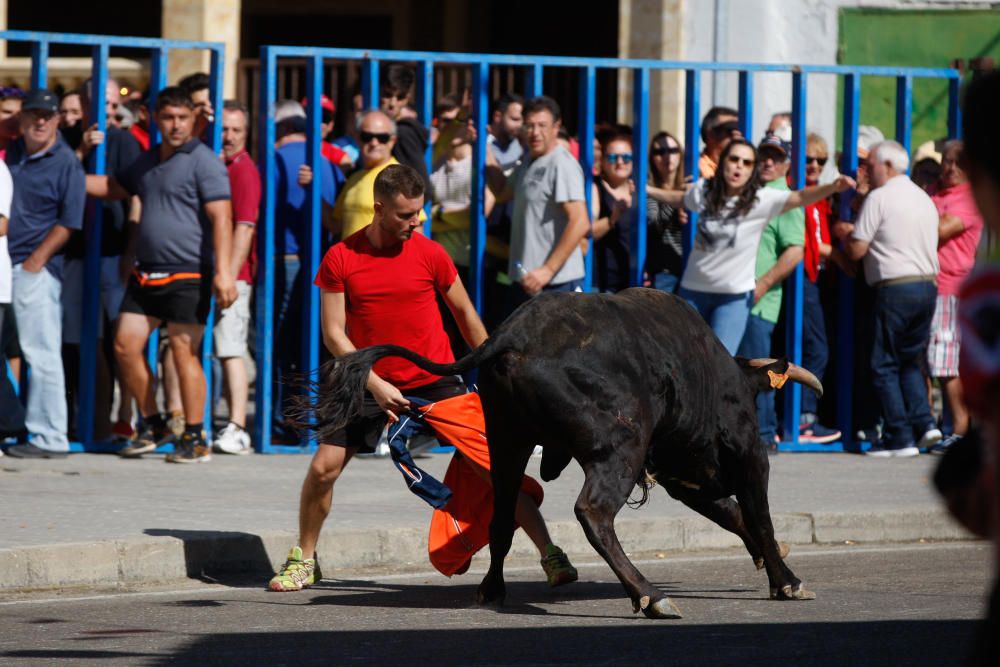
(906, 280)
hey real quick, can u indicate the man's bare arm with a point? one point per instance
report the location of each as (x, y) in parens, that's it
(576, 229)
(105, 187)
(460, 305)
(783, 268)
(223, 283)
(50, 245)
(496, 181)
(4, 225)
(949, 226)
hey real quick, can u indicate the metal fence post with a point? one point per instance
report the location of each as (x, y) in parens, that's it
(425, 111)
(692, 144)
(585, 132)
(477, 219)
(370, 83)
(904, 107)
(746, 104)
(640, 171)
(954, 108)
(534, 80)
(40, 64)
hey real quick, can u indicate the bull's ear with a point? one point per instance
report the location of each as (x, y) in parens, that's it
(764, 374)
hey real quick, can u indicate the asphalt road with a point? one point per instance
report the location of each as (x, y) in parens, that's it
(877, 605)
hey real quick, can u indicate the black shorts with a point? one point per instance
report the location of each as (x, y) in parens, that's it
(170, 299)
(363, 433)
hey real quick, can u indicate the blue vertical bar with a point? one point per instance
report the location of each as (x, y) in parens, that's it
(640, 170)
(746, 104)
(39, 64)
(216, 78)
(92, 258)
(692, 144)
(265, 241)
(534, 80)
(587, 112)
(793, 284)
(845, 286)
(314, 226)
(904, 108)
(369, 83)
(954, 108)
(425, 111)
(157, 82)
(477, 220)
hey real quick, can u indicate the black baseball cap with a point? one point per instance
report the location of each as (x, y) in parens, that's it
(41, 99)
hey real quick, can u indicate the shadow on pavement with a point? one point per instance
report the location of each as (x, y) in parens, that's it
(220, 556)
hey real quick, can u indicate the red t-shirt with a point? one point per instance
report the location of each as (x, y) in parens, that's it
(141, 135)
(244, 182)
(332, 153)
(390, 298)
(817, 231)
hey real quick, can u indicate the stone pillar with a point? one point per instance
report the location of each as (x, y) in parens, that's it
(3, 26)
(207, 21)
(653, 29)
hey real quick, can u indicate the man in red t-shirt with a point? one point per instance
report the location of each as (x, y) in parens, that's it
(233, 324)
(379, 286)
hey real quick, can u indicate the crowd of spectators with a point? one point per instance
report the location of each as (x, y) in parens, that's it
(178, 225)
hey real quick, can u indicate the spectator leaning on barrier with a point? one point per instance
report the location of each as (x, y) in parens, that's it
(778, 253)
(897, 235)
(719, 126)
(550, 215)
(959, 231)
(379, 286)
(733, 209)
(49, 195)
(412, 138)
(183, 248)
(613, 208)
(664, 244)
(292, 174)
(121, 150)
(233, 325)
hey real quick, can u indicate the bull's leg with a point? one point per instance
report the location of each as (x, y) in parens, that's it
(752, 500)
(726, 513)
(606, 488)
(508, 459)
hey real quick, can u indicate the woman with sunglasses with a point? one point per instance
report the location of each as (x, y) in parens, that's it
(664, 249)
(613, 200)
(733, 208)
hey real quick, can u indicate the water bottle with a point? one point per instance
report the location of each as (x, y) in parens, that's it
(520, 273)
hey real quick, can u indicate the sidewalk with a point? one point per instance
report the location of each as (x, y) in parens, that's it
(97, 520)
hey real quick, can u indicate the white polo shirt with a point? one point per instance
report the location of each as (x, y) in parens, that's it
(900, 223)
(6, 195)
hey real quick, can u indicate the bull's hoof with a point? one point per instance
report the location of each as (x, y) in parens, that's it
(798, 592)
(488, 596)
(662, 608)
(783, 550)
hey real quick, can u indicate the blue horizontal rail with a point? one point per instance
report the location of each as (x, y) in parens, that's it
(159, 53)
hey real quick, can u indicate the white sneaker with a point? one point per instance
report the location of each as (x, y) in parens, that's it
(538, 451)
(232, 440)
(930, 438)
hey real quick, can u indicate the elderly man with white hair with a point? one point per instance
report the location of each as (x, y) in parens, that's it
(896, 234)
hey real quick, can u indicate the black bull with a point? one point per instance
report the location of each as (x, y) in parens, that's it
(632, 386)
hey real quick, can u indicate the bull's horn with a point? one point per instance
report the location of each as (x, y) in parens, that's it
(757, 363)
(794, 373)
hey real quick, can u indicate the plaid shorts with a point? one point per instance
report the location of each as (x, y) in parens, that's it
(942, 352)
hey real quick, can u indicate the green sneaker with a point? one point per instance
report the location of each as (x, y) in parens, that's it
(297, 573)
(557, 567)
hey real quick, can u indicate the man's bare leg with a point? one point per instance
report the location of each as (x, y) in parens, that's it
(185, 343)
(317, 493)
(130, 344)
(526, 513)
(235, 371)
(951, 388)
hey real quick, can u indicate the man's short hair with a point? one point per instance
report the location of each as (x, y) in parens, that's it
(398, 179)
(979, 124)
(712, 120)
(236, 105)
(399, 80)
(11, 93)
(891, 152)
(506, 100)
(542, 103)
(195, 82)
(173, 96)
(447, 103)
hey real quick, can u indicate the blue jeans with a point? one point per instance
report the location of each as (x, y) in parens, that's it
(666, 282)
(726, 313)
(756, 343)
(38, 308)
(815, 349)
(903, 315)
(288, 330)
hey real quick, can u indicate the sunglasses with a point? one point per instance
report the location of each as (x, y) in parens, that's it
(614, 157)
(821, 161)
(381, 137)
(736, 159)
(665, 150)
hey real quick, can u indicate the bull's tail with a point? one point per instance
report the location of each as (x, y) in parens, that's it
(335, 395)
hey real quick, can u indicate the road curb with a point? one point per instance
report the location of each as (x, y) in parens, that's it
(178, 555)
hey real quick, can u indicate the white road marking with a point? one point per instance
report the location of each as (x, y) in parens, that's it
(802, 553)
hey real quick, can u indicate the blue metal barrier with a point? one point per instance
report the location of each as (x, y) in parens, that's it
(534, 70)
(100, 50)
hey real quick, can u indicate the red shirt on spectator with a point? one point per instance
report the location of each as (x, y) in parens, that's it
(244, 182)
(332, 153)
(817, 231)
(391, 298)
(957, 255)
(141, 135)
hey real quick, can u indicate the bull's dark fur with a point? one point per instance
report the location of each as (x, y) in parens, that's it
(625, 384)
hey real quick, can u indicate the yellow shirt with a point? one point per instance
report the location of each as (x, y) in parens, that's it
(355, 205)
